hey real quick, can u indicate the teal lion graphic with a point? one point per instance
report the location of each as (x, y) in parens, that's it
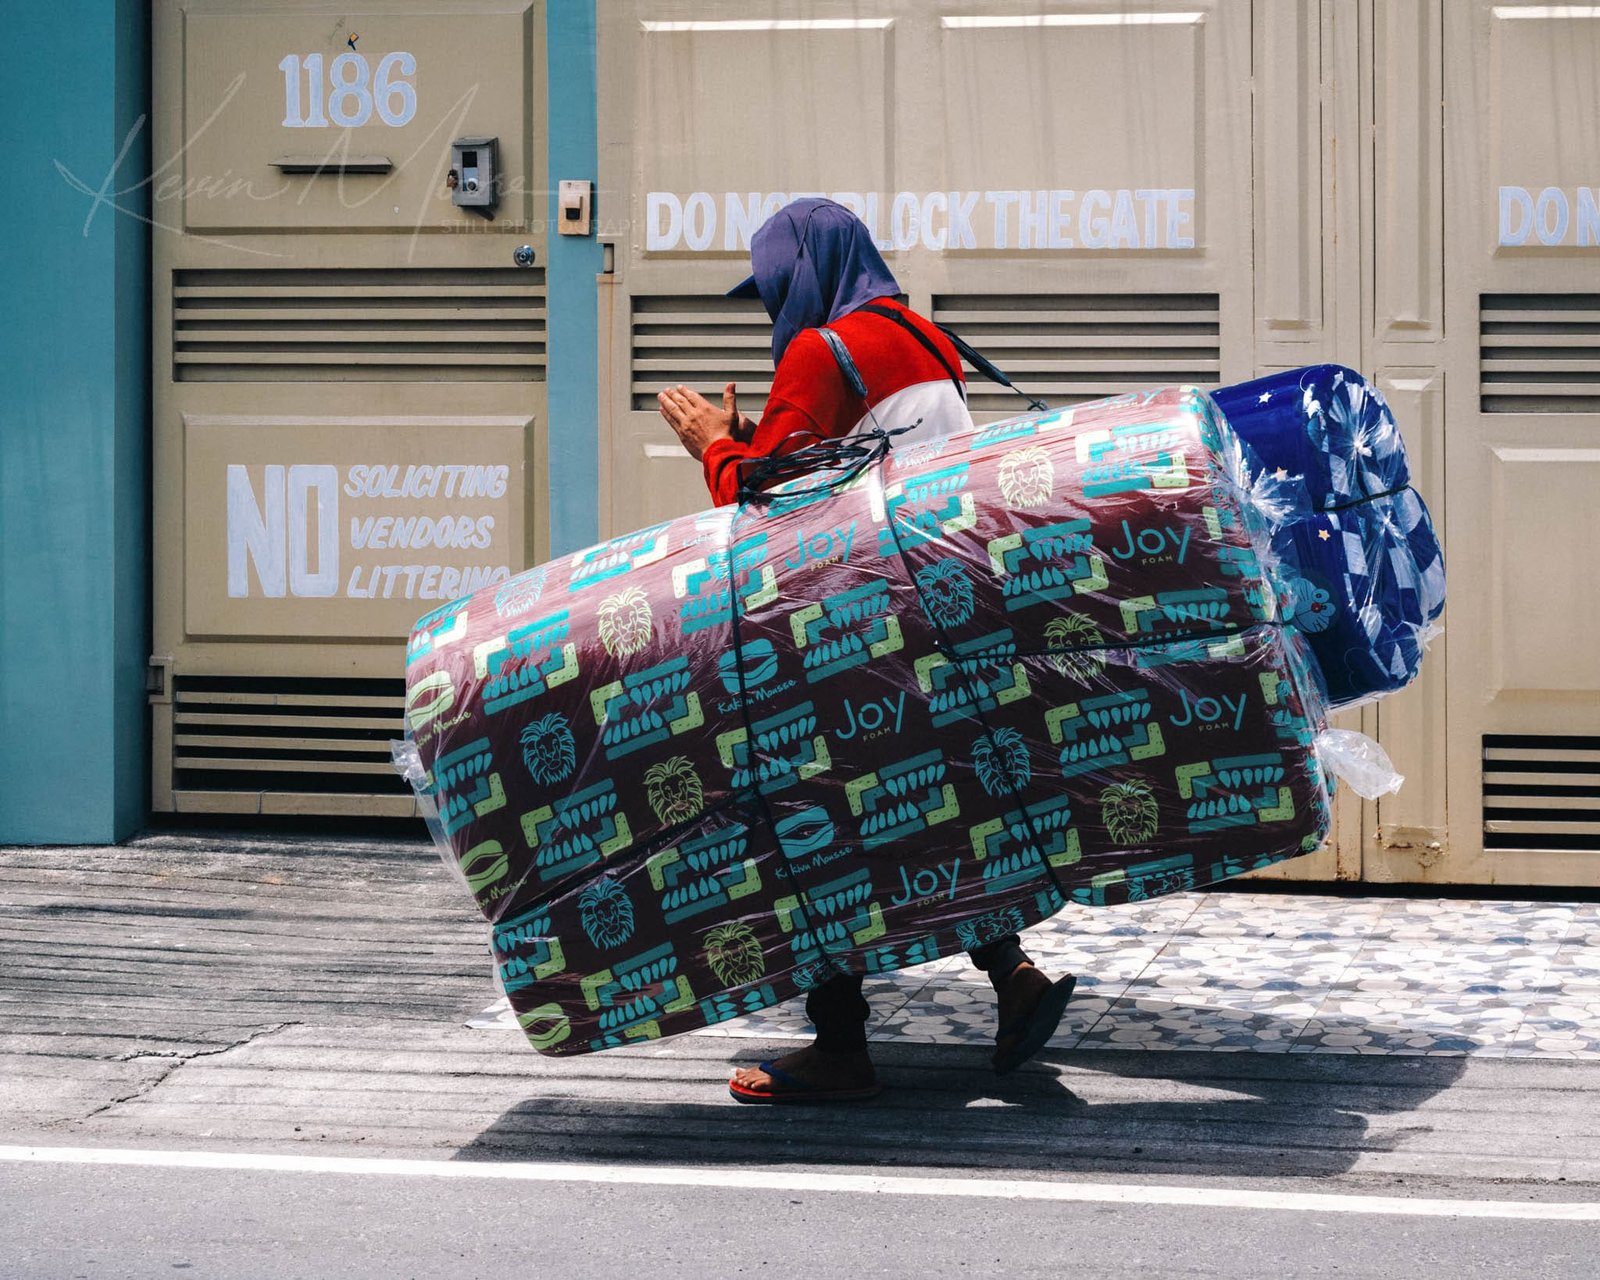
(1001, 759)
(606, 913)
(548, 748)
(946, 592)
(521, 593)
(991, 927)
(814, 973)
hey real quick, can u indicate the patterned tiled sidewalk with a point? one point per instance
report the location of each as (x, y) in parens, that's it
(1271, 973)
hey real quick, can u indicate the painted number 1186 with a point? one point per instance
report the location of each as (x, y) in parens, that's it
(351, 93)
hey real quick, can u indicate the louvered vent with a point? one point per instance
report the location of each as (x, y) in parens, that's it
(359, 325)
(1541, 792)
(1063, 348)
(264, 744)
(702, 341)
(1067, 348)
(1539, 353)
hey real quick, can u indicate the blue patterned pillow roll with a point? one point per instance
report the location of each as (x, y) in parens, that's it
(1363, 565)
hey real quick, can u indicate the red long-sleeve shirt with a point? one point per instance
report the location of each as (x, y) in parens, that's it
(810, 399)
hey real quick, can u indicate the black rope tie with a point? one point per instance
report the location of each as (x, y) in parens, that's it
(846, 458)
(1356, 502)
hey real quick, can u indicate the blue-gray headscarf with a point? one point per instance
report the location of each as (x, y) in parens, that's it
(813, 261)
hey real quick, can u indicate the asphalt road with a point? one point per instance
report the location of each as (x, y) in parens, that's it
(64, 1220)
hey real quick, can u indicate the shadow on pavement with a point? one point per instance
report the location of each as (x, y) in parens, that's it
(1233, 1114)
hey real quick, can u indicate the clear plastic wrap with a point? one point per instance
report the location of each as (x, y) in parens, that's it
(407, 760)
(895, 708)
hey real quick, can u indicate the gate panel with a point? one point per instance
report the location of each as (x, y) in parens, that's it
(1413, 829)
(349, 375)
(1117, 99)
(1523, 301)
(1405, 230)
(1110, 201)
(1303, 126)
(1404, 339)
(1289, 204)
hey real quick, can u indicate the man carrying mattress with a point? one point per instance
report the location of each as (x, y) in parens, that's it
(815, 265)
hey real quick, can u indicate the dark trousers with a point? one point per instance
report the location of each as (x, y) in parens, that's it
(839, 1011)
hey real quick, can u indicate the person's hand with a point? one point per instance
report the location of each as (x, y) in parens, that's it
(743, 428)
(698, 422)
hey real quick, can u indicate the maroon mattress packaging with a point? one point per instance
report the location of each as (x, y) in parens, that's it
(889, 710)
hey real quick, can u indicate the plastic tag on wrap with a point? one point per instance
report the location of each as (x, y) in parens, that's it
(1358, 761)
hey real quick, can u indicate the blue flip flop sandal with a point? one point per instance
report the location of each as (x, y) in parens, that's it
(1034, 1031)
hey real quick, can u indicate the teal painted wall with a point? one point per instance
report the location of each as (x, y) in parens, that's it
(74, 425)
(575, 261)
(74, 406)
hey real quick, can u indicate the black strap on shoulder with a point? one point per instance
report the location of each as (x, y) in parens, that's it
(968, 352)
(846, 363)
(924, 339)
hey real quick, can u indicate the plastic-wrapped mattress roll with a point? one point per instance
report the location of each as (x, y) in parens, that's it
(895, 709)
(1358, 546)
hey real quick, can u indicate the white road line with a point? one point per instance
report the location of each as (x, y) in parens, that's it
(766, 1180)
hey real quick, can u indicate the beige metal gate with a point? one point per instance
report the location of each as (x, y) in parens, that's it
(349, 375)
(1100, 196)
